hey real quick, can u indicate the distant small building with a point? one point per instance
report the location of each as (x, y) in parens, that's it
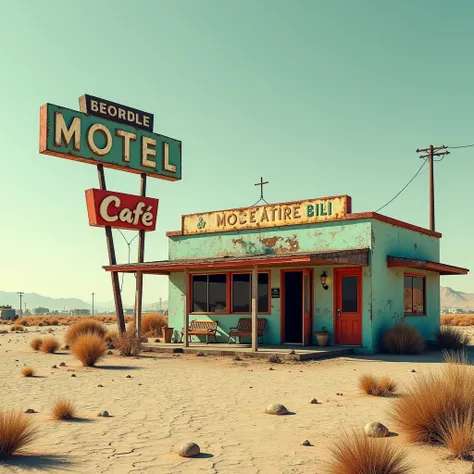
(7, 312)
(80, 312)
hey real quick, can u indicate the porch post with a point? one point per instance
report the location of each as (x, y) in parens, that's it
(254, 309)
(186, 309)
(138, 304)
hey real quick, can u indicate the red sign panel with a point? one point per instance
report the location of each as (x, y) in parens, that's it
(121, 211)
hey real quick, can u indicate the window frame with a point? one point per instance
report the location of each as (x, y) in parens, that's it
(269, 293)
(229, 293)
(415, 275)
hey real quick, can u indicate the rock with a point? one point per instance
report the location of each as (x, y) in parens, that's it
(189, 450)
(314, 401)
(110, 353)
(414, 371)
(66, 347)
(54, 366)
(73, 375)
(99, 385)
(62, 364)
(139, 384)
(375, 430)
(29, 410)
(200, 354)
(129, 376)
(271, 368)
(104, 414)
(292, 352)
(276, 409)
(305, 443)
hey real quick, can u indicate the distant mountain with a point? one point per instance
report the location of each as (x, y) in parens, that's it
(452, 299)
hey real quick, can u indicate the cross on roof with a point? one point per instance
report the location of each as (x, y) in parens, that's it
(261, 184)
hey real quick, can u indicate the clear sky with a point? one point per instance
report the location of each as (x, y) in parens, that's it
(318, 97)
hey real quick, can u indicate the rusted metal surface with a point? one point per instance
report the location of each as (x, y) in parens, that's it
(261, 217)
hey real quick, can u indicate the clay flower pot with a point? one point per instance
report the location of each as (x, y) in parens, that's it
(323, 338)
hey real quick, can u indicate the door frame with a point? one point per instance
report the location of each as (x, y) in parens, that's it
(310, 270)
(349, 271)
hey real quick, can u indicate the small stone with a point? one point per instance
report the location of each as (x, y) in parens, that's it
(375, 430)
(200, 354)
(139, 384)
(276, 409)
(129, 376)
(104, 414)
(189, 450)
(314, 401)
(271, 368)
(110, 353)
(413, 370)
(305, 443)
(62, 364)
(29, 410)
(99, 385)
(73, 375)
(292, 352)
(54, 366)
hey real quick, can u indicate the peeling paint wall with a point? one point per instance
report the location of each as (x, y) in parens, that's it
(314, 237)
(388, 286)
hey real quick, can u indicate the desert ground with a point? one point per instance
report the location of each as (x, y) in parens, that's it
(157, 402)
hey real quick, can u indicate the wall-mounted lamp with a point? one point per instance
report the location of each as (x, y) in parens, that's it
(323, 279)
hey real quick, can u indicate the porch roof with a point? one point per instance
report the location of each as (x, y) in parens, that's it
(440, 268)
(165, 267)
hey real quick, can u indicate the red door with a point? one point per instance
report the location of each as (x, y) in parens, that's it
(307, 333)
(348, 305)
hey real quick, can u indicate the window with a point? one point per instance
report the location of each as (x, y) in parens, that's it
(209, 293)
(242, 293)
(349, 294)
(414, 295)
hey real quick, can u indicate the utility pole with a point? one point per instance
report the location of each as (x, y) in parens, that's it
(160, 304)
(93, 294)
(20, 294)
(429, 154)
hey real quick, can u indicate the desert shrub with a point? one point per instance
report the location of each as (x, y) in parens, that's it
(28, 372)
(152, 324)
(64, 409)
(17, 327)
(450, 338)
(89, 348)
(16, 433)
(457, 320)
(3, 331)
(274, 359)
(458, 435)
(357, 454)
(128, 344)
(377, 386)
(81, 327)
(438, 407)
(36, 343)
(109, 337)
(50, 345)
(403, 339)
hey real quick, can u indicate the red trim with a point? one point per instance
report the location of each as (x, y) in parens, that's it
(357, 271)
(351, 217)
(400, 262)
(282, 305)
(415, 275)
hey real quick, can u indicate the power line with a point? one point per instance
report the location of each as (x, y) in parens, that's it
(403, 189)
(461, 146)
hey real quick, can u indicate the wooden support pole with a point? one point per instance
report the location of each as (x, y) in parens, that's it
(186, 309)
(254, 308)
(112, 261)
(141, 259)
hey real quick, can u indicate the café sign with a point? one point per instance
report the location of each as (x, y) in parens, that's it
(121, 211)
(276, 215)
(126, 145)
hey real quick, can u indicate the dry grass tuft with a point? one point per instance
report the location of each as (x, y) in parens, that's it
(63, 320)
(89, 348)
(451, 338)
(85, 326)
(110, 336)
(50, 345)
(16, 433)
(64, 409)
(438, 407)
(357, 454)
(36, 343)
(3, 331)
(457, 320)
(28, 372)
(274, 359)
(152, 324)
(379, 387)
(128, 344)
(403, 339)
(17, 327)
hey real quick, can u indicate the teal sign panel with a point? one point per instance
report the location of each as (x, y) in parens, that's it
(73, 135)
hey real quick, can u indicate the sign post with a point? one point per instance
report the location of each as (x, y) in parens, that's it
(110, 135)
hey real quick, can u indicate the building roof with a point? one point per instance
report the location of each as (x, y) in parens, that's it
(330, 257)
(417, 264)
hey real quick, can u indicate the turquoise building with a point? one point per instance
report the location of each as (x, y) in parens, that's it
(320, 267)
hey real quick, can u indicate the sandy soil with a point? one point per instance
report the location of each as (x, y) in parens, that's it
(215, 402)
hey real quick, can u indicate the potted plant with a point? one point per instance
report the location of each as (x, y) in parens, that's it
(322, 336)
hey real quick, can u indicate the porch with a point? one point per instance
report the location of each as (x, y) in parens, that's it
(302, 353)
